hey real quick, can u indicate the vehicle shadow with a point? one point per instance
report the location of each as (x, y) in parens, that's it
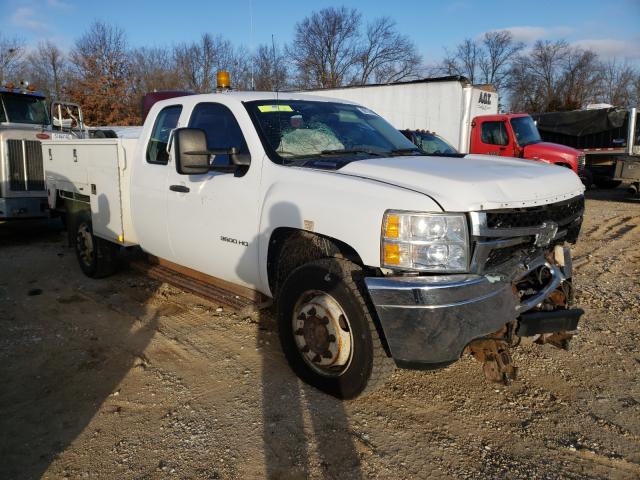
(619, 194)
(305, 432)
(65, 348)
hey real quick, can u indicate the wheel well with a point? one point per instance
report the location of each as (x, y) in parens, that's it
(565, 165)
(74, 209)
(290, 247)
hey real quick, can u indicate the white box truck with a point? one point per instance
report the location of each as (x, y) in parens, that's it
(465, 115)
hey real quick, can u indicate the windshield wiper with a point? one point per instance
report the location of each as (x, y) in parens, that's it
(348, 151)
(405, 151)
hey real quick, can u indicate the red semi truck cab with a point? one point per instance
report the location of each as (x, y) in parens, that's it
(516, 135)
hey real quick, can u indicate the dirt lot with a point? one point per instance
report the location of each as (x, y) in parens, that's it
(129, 378)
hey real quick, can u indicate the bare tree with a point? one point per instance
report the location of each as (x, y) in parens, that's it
(153, 69)
(581, 76)
(554, 76)
(465, 60)
(386, 55)
(48, 69)
(198, 63)
(11, 54)
(499, 50)
(238, 64)
(270, 69)
(487, 60)
(618, 83)
(325, 48)
(100, 65)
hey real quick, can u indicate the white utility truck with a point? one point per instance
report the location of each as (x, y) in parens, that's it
(372, 252)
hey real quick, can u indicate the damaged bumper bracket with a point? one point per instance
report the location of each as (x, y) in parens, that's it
(536, 323)
(429, 320)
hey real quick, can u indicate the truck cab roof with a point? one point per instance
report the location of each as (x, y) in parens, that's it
(238, 97)
(19, 91)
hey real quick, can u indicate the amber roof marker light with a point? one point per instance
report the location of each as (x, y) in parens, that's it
(223, 80)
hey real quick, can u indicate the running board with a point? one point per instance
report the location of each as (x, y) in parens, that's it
(220, 292)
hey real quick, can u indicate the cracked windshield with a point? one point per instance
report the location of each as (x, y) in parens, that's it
(302, 129)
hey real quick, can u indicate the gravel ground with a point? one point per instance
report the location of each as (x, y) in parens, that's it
(130, 378)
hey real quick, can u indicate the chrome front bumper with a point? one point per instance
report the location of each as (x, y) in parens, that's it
(23, 207)
(429, 320)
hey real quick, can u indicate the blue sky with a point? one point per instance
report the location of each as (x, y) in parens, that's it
(610, 27)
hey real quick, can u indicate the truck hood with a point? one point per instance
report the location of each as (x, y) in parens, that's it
(473, 182)
(552, 152)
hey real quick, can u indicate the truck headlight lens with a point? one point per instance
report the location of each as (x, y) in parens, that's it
(431, 242)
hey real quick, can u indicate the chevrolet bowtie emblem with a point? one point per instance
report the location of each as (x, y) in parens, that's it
(547, 233)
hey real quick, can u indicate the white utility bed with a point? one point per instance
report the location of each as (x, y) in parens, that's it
(97, 172)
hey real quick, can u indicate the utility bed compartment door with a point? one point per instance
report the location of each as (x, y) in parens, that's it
(104, 185)
(63, 161)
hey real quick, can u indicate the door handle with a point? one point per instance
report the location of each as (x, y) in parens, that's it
(179, 188)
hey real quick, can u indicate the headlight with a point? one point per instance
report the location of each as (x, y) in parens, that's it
(431, 242)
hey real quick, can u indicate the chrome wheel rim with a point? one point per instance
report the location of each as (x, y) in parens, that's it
(84, 243)
(322, 333)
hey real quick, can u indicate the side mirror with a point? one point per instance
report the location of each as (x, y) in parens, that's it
(191, 153)
(239, 159)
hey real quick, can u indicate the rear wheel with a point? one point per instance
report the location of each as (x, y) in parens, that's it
(327, 332)
(97, 257)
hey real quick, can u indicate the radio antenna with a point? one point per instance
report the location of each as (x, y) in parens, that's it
(274, 73)
(253, 59)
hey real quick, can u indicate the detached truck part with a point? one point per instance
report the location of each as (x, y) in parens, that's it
(373, 253)
(609, 137)
(465, 115)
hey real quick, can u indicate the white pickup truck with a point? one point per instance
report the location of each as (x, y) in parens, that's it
(374, 253)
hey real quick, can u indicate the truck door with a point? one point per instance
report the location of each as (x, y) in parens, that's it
(213, 218)
(149, 185)
(491, 137)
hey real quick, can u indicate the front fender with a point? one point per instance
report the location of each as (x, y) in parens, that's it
(346, 208)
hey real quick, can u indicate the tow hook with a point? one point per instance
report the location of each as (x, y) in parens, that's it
(494, 355)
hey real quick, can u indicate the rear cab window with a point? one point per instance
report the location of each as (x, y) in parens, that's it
(166, 121)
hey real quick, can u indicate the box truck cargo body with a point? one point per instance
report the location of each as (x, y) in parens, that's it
(464, 115)
(444, 105)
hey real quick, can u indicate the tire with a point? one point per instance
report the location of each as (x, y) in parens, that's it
(332, 343)
(96, 256)
(587, 179)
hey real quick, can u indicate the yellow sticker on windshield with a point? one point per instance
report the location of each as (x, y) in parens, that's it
(275, 108)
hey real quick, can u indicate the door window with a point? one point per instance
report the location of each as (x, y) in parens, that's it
(166, 121)
(494, 133)
(221, 128)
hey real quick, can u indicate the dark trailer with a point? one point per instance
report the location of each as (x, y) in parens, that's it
(609, 138)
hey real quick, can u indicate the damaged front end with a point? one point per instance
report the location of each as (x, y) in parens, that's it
(545, 315)
(518, 290)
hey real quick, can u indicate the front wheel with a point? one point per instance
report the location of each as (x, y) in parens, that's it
(97, 257)
(327, 332)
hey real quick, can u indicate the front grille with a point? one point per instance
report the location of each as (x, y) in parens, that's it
(581, 163)
(26, 172)
(561, 213)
